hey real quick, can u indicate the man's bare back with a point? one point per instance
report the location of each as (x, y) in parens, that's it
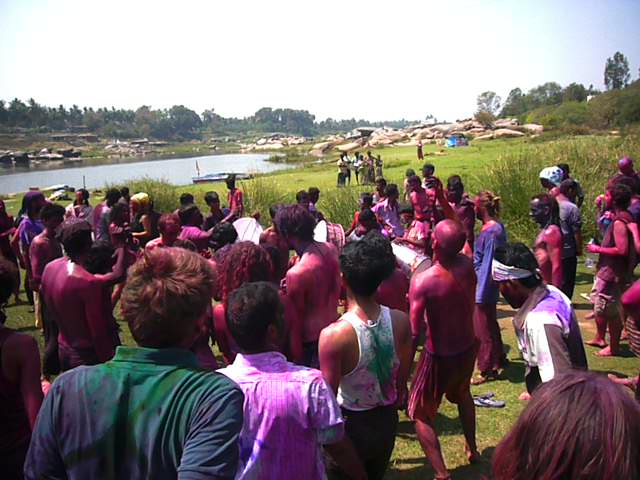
(443, 298)
(313, 285)
(548, 251)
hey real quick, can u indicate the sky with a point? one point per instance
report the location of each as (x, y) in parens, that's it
(376, 60)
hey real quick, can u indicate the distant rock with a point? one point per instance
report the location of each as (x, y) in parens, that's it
(507, 133)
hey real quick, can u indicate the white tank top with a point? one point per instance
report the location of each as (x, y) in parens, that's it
(372, 383)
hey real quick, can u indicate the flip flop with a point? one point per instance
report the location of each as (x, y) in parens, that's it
(488, 403)
(485, 395)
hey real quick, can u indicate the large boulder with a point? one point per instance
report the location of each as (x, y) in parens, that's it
(506, 122)
(487, 136)
(533, 128)
(507, 133)
(348, 147)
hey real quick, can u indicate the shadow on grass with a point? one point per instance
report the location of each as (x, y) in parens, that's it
(583, 278)
(421, 468)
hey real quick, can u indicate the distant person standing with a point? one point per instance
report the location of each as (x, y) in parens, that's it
(234, 199)
(378, 166)
(420, 152)
(80, 207)
(357, 166)
(215, 212)
(579, 198)
(571, 225)
(101, 214)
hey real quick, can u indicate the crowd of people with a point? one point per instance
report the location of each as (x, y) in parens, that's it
(318, 339)
(366, 168)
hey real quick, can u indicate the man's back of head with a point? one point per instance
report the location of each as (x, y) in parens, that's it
(449, 238)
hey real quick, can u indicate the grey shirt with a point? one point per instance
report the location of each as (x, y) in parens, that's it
(570, 223)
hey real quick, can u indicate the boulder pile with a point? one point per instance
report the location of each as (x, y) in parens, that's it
(276, 141)
(368, 137)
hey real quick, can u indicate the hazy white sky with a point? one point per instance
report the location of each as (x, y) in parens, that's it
(378, 60)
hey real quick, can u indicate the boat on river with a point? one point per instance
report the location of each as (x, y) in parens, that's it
(219, 177)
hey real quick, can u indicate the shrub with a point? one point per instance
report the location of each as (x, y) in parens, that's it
(162, 193)
(514, 176)
(259, 194)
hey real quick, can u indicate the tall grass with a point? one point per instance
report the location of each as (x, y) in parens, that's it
(261, 193)
(164, 195)
(514, 176)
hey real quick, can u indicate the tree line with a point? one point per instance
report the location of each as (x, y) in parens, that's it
(175, 123)
(574, 105)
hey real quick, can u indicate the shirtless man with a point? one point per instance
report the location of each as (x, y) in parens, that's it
(545, 212)
(442, 298)
(313, 284)
(44, 248)
(79, 302)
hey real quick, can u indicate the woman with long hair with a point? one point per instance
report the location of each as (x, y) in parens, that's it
(491, 356)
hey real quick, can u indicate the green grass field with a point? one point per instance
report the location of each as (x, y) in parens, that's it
(472, 163)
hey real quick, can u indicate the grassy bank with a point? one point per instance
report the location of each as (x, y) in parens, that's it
(510, 167)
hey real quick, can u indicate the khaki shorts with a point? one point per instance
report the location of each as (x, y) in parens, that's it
(606, 298)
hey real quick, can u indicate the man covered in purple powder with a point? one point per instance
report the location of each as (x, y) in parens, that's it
(289, 410)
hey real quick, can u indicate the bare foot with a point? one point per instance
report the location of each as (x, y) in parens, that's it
(605, 352)
(524, 396)
(597, 343)
(631, 383)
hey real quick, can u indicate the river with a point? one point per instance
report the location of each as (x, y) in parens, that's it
(177, 171)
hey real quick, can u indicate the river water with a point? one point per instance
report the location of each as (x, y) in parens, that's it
(177, 171)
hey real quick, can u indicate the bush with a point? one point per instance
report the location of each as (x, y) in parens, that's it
(164, 195)
(259, 194)
(514, 176)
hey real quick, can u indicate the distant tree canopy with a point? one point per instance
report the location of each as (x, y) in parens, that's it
(175, 123)
(616, 72)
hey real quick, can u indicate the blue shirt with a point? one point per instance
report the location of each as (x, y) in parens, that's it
(488, 240)
(148, 413)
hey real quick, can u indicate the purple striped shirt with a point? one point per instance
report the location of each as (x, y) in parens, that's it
(289, 411)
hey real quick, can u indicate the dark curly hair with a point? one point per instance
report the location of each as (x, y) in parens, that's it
(250, 310)
(367, 263)
(244, 262)
(295, 221)
(223, 234)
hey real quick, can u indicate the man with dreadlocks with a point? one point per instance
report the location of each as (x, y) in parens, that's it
(545, 212)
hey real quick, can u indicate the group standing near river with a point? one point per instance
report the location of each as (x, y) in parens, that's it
(318, 344)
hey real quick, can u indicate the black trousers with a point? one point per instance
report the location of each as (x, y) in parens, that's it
(569, 266)
(373, 434)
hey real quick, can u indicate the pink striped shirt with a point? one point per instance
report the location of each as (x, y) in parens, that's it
(289, 411)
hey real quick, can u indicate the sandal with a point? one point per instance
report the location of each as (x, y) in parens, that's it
(488, 402)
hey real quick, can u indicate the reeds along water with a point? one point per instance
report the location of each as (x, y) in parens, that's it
(514, 176)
